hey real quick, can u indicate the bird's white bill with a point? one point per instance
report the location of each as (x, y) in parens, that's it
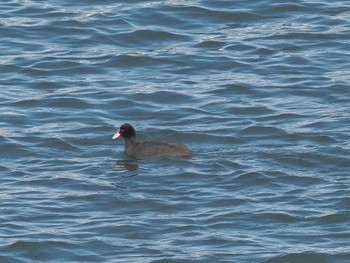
(115, 136)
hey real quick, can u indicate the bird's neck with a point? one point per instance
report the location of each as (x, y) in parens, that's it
(130, 142)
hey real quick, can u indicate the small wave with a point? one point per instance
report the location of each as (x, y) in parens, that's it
(67, 103)
(262, 131)
(253, 178)
(127, 61)
(149, 38)
(172, 260)
(210, 44)
(57, 144)
(308, 257)
(277, 217)
(50, 250)
(335, 218)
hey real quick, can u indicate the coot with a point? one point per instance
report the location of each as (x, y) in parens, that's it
(149, 149)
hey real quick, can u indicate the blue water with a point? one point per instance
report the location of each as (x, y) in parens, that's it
(258, 90)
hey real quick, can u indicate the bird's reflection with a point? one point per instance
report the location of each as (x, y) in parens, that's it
(127, 165)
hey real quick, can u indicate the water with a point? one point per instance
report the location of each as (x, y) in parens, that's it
(258, 91)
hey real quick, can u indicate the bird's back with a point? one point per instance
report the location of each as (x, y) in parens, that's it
(152, 149)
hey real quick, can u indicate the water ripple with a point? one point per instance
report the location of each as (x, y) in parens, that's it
(257, 90)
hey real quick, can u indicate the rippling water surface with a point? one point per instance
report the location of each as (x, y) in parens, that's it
(258, 90)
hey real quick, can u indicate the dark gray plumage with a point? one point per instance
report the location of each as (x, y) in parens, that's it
(149, 149)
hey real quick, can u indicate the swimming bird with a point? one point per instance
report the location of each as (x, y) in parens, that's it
(149, 149)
